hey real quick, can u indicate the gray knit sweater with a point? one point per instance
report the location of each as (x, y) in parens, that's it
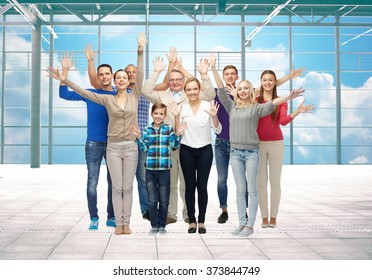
(244, 121)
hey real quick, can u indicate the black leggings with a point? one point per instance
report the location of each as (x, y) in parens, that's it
(196, 165)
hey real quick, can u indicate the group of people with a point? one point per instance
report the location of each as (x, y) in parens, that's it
(176, 147)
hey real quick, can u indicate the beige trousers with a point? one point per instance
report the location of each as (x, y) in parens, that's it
(270, 168)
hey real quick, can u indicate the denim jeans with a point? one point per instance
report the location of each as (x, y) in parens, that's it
(244, 165)
(222, 156)
(141, 182)
(94, 153)
(158, 188)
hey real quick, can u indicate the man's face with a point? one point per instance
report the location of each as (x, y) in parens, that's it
(176, 81)
(105, 76)
(230, 76)
(132, 71)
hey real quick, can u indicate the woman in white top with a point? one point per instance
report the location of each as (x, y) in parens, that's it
(196, 153)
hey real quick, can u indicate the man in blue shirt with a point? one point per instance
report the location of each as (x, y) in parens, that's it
(95, 147)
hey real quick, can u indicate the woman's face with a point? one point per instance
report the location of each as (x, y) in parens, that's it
(121, 80)
(268, 82)
(192, 90)
(244, 91)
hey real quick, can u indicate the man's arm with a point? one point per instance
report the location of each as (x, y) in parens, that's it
(148, 90)
(208, 92)
(93, 78)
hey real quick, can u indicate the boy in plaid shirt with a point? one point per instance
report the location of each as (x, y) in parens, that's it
(158, 140)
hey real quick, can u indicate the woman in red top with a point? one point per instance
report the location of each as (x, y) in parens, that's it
(272, 147)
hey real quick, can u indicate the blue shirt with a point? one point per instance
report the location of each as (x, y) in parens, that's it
(97, 117)
(159, 144)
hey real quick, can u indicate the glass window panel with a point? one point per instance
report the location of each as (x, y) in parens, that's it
(314, 136)
(357, 80)
(356, 117)
(315, 61)
(77, 39)
(181, 37)
(69, 136)
(18, 80)
(16, 154)
(17, 135)
(356, 155)
(356, 136)
(69, 116)
(44, 136)
(18, 116)
(17, 97)
(315, 155)
(44, 155)
(310, 43)
(68, 155)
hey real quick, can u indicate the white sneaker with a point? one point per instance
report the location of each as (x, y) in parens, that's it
(246, 231)
(153, 231)
(237, 230)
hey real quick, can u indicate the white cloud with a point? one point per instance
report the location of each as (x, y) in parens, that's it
(359, 160)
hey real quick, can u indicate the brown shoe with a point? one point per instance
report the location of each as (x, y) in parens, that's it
(119, 230)
(126, 229)
(170, 220)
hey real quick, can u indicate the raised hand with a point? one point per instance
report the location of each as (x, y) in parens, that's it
(135, 131)
(297, 72)
(296, 93)
(305, 109)
(212, 60)
(89, 53)
(55, 74)
(181, 128)
(174, 109)
(213, 109)
(66, 61)
(203, 67)
(141, 40)
(230, 89)
(158, 64)
(172, 56)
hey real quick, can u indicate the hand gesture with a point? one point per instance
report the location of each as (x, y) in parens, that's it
(181, 128)
(55, 74)
(212, 60)
(296, 93)
(141, 40)
(89, 54)
(174, 109)
(203, 67)
(172, 56)
(297, 72)
(178, 63)
(135, 131)
(230, 89)
(305, 109)
(158, 64)
(66, 61)
(213, 109)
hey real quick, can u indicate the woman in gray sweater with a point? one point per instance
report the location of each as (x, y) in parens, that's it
(244, 113)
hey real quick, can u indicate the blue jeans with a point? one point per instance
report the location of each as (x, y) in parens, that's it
(94, 153)
(222, 156)
(141, 182)
(158, 188)
(244, 165)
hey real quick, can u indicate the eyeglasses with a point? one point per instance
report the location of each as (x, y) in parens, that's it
(176, 80)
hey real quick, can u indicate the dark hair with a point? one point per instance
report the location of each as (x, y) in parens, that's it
(158, 105)
(121, 70)
(274, 95)
(104, 65)
(230, 67)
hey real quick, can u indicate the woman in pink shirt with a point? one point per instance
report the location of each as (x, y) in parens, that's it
(272, 147)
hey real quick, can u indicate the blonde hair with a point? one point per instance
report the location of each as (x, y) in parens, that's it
(239, 102)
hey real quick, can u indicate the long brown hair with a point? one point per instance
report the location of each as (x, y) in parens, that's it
(274, 95)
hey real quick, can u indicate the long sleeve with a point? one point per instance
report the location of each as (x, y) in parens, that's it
(284, 117)
(148, 89)
(97, 98)
(208, 93)
(225, 99)
(140, 74)
(66, 94)
(174, 140)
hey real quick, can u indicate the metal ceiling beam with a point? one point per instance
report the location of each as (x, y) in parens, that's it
(75, 12)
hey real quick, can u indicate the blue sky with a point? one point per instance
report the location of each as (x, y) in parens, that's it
(312, 48)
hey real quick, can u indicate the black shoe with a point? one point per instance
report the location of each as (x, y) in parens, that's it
(202, 230)
(191, 230)
(146, 216)
(223, 218)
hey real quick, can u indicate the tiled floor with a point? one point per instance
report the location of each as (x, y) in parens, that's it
(326, 213)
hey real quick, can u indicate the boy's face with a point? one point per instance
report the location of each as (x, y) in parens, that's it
(158, 116)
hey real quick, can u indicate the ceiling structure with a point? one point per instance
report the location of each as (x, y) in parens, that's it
(86, 10)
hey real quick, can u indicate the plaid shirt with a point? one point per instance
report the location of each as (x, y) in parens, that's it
(158, 143)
